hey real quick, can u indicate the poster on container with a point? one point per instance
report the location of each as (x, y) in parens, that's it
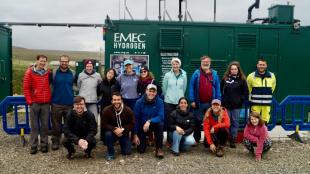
(117, 62)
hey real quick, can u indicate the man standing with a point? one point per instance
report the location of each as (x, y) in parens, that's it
(117, 121)
(38, 95)
(149, 113)
(80, 128)
(87, 83)
(204, 87)
(62, 97)
(262, 84)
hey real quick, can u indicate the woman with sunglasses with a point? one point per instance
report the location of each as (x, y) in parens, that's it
(146, 78)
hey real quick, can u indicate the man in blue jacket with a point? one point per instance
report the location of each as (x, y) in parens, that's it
(203, 88)
(149, 115)
(62, 97)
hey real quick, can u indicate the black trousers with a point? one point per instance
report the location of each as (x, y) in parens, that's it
(70, 147)
(158, 129)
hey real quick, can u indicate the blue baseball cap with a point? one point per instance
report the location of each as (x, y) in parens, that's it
(127, 62)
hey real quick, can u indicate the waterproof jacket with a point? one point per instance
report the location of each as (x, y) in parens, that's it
(257, 135)
(261, 87)
(174, 87)
(87, 84)
(105, 90)
(128, 85)
(110, 120)
(37, 86)
(80, 127)
(63, 87)
(209, 122)
(184, 120)
(145, 110)
(234, 92)
(194, 87)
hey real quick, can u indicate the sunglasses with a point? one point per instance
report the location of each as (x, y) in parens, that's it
(143, 71)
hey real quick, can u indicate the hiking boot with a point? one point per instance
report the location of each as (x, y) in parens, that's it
(220, 151)
(159, 153)
(33, 150)
(232, 143)
(55, 146)
(44, 149)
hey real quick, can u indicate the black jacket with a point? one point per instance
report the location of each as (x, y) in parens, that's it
(184, 120)
(80, 127)
(105, 90)
(234, 92)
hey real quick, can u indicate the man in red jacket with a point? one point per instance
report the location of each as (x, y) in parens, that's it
(38, 95)
(215, 127)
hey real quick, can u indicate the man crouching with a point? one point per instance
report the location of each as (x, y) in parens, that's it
(80, 128)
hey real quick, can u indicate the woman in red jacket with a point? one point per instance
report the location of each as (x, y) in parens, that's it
(256, 134)
(215, 127)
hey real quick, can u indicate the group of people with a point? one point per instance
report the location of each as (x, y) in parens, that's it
(136, 109)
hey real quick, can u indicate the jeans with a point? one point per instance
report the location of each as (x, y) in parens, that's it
(199, 114)
(158, 129)
(181, 142)
(39, 115)
(124, 142)
(92, 107)
(130, 102)
(234, 122)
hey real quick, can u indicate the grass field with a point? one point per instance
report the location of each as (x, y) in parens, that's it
(23, 58)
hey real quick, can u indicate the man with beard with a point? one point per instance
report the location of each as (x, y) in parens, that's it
(204, 87)
(80, 128)
(62, 97)
(117, 120)
(149, 114)
(262, 84)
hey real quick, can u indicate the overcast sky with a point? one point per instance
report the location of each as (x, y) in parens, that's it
(95, 11)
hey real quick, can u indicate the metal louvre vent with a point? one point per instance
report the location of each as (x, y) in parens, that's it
(170, 39)
(246, 40)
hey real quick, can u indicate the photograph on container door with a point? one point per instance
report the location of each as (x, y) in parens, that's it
(117, 62)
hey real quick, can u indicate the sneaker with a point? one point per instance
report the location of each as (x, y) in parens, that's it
(109, 157)
(159, 153)
(70, 156)
(44, 149)
(232, 144)
(33, 150)
(219, 151)
(174, 153)
(55, 146)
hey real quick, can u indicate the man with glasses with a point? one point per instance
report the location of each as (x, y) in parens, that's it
(204, 87)
(62, 97)
(80, 128)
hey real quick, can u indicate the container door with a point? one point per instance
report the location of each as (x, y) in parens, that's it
(5, 63)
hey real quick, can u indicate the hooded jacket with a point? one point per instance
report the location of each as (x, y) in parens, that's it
(184, 120)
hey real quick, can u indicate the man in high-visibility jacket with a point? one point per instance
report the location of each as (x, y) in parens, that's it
(262, 84)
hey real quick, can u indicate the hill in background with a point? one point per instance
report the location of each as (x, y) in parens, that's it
(26, 54)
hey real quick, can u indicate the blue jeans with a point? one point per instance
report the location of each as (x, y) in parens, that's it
(234, 116)
(199, 114)
(124, 141)
(181, 142)
(130, 102)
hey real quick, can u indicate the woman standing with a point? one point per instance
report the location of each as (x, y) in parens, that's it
(174, 87)
(256, 134)
(128, 82)
(181, 123)
(234, 93)
(146, 78)
(105, 89)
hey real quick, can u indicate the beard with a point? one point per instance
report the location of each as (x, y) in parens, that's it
(205, 67)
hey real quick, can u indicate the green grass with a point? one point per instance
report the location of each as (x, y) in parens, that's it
(23, 58)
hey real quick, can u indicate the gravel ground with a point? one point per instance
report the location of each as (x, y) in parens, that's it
(284, 157)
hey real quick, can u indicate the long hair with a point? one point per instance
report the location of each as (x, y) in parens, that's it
(210, 111)
(106, 72)
(258, 116)
(240, 72)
